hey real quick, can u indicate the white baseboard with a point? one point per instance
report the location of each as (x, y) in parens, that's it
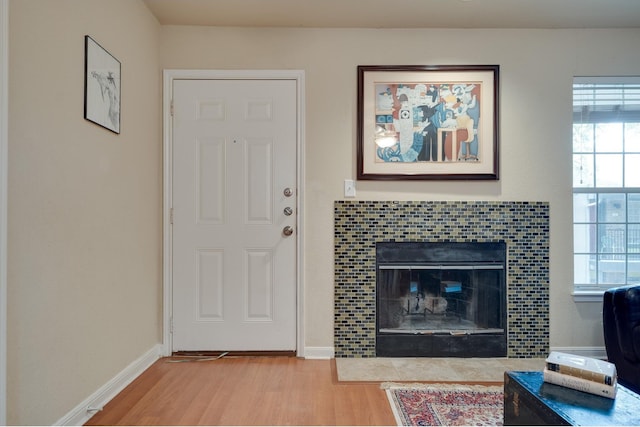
(318, 353)
(94, 403)
(594, 352)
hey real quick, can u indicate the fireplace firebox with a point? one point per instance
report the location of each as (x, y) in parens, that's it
(441, 299)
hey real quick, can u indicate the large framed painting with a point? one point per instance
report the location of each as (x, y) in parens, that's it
(101, 86)
(428, 122)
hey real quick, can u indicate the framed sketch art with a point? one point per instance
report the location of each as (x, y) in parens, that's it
(101, 86)
(428, 122)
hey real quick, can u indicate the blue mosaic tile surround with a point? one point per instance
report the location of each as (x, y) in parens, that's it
(524, 226)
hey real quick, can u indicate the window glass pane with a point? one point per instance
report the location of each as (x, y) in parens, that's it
(612, 208)
(633, 207)
(609, 137)
(632, 137)
(584, 238)
(632, 170)
(583, 137)
(633, 238)
(584, 207)
(611, 270)
(584, 269)
(609, 170)
(611, 238)
(583, 170)
(633, 275)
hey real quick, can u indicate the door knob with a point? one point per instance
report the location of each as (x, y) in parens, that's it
(288, 192)
(287, 231)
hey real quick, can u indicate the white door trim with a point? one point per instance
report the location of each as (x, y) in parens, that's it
(168, 77)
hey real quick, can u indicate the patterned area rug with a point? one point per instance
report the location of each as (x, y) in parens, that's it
(445, 404)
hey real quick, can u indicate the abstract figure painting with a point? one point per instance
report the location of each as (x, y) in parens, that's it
(101, 86)
(428, 122)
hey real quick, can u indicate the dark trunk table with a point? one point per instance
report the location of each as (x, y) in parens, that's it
(528, 400)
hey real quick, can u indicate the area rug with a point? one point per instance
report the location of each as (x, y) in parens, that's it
(445, 404)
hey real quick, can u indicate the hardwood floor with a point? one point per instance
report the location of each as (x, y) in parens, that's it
(246, 391)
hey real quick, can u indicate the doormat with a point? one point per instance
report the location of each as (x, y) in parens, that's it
(445, 404)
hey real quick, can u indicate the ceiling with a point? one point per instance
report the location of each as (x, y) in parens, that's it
(400, 13)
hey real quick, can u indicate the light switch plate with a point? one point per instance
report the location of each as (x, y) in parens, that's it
(349, 188)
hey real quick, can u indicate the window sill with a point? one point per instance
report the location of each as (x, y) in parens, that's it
(587, 296)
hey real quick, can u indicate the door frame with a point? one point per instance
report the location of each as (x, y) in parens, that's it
(169, 75)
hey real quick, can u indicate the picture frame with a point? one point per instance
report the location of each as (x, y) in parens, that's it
(427, 122)
(102, 86)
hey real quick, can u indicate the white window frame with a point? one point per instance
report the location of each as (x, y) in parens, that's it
(579, 293)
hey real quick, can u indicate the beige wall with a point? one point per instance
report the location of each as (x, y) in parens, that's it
(537, 67)
(85, 233)
(85, 236)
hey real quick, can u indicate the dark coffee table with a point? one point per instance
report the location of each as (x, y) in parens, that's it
(528, 400)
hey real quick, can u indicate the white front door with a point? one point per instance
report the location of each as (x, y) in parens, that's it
(234, 215)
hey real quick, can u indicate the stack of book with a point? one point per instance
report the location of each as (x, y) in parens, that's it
(581, 373)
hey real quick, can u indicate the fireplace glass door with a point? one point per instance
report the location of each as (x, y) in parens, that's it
(440, 299)
(444, 302)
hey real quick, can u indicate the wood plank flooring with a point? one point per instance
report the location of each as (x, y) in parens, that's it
(246, 391)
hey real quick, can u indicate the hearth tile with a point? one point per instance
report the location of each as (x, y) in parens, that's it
(432, 369)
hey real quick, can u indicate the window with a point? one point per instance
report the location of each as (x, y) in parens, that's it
(606, 183)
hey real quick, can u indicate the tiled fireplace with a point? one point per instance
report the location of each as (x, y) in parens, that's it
(523, 226)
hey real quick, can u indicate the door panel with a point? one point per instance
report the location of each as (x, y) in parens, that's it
(234, 270)
(212, 172)
(259, 192)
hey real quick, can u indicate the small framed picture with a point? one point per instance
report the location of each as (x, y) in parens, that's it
(427, 122)
(101, 86)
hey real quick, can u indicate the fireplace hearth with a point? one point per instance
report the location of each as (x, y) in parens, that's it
(440, 299)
